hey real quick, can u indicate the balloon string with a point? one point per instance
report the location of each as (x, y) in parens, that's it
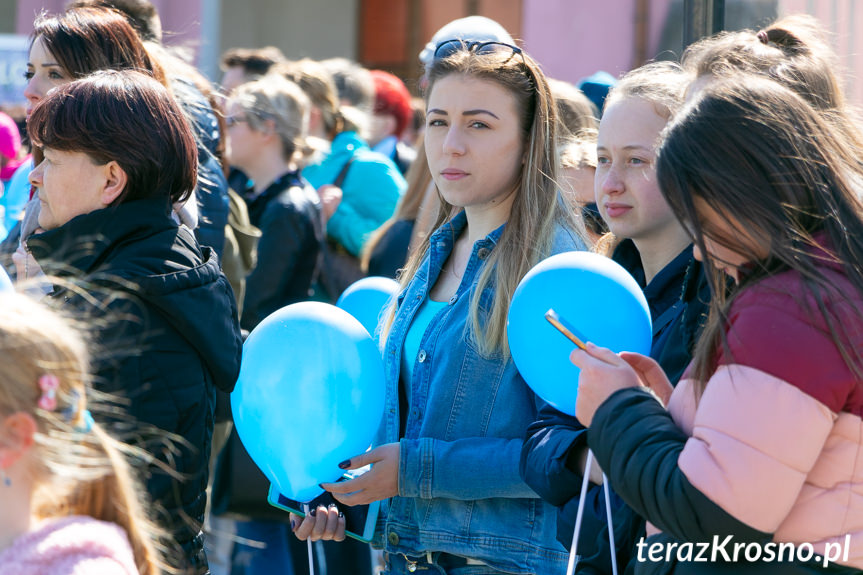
(573, 549)
(309, 544)
(610, 524)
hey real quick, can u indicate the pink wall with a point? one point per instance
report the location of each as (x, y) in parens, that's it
(179, 19)
(574, 39)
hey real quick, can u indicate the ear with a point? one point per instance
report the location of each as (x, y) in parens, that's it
(16, 437)
(269, 127)
(316, 120)
(115, 182)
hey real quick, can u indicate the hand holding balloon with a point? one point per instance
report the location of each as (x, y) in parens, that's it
(381, 482)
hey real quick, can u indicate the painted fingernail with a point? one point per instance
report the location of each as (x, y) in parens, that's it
(294, 524)
(332, 506)
(313, 511)
(345, 464)
(341, 515)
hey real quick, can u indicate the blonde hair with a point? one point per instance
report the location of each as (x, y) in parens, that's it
(578, 150)
(663, 84)
(575, 111)
(317, 83)
(537, 209)
(794, 51)
(273, 98)
(77, 468)
(418, 178)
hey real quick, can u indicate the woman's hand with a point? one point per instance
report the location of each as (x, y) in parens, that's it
(331, 197)
(651, 375)
(602, 373)
(327, 524)
(380, 482)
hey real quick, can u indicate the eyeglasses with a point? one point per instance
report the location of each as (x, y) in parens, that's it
(231, 121)
(450, 47)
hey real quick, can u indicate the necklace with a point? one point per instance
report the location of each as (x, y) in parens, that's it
(451, 267)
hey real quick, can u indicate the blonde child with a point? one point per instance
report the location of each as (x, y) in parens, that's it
(70, 504)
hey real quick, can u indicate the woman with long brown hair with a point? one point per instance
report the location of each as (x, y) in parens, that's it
(758, 440)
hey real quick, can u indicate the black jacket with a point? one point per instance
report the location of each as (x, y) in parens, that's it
(288, 213)
(165, 336)
(677, 297)
(211, 191)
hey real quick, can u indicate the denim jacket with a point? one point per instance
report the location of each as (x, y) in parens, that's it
(460, 491)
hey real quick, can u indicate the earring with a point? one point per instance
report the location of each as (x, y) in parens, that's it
(7, 482)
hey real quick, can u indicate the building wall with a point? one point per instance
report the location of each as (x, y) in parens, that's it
(571, 39)
(319, 29)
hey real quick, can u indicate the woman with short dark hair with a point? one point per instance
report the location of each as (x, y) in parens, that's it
(118, 152)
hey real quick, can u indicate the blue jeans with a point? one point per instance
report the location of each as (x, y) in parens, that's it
(265, 547)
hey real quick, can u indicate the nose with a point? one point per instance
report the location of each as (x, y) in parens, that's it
(33, 94)
(610, 182)
(35, 176)
(453, 143)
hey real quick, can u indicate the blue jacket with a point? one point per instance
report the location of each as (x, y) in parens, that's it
(460, 490)
(370, 191)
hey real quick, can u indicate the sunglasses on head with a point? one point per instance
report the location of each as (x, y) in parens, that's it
(450, 47)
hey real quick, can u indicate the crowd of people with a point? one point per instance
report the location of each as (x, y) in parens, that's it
(157, 219)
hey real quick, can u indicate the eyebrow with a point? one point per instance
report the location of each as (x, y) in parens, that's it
(465, 113)
(630, 147)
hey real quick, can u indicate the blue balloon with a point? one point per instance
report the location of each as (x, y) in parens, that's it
(599, 300)
(5, 282)
(310, 395)
(366, 300)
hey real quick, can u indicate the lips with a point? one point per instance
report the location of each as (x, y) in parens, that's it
(453, 174)
(613, 210)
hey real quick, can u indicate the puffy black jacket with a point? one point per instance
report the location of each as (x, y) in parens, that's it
(288, 213)
(164, 324)
(677, 297)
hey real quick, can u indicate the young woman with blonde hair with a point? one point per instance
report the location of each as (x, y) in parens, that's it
(456, 407)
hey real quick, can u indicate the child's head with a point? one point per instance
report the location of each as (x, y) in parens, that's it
(635, 113)
(49, 445)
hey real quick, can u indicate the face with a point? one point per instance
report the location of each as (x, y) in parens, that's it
(727, 259)
(43, 74)
(577, 183)
(380, 127)
(243, 143)
(70, 184)
(473, 142)
(232, 78)
(626, 191)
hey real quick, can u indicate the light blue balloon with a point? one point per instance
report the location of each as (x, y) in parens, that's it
(366, 300)
(5, 282)
(597, 297)
(310, 395)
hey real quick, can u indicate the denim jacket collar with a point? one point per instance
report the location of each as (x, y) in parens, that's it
(441, 245)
